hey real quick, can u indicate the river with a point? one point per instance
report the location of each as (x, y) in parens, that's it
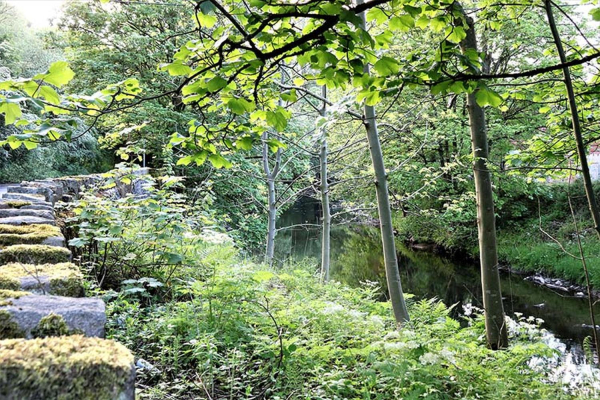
(356, 256)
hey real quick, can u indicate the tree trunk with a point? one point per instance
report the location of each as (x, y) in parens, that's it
(495, 324)
(577, 133)
(271, 198)
(326, 234)
(385, 213)
(585, 169)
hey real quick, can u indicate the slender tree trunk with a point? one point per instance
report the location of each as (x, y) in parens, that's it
(390, 256)
(326, 234)
(495, 324)
(271, 198)
(577, 133)
(585, 169)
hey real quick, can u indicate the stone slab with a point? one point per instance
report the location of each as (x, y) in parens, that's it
(34, 198)
(20, 212)
(24, 189)
(84, 315)
(57, 241)
(38, 206)
(26, 220)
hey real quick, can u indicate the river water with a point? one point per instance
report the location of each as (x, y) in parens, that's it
(356, 256)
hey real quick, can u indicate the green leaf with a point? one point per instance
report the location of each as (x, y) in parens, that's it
(278, 119)
(240, 106)
(176, 69)
(290, 96)
(219, 162)
(244, 143)
(386, 66)
(402, 23)
(216, 83)
(49, 94)
(595, 13)
(11, 112)
(376, 14)
(206, 21)
(59, 74)
(485, 96)
(30, 145)
(456, 34)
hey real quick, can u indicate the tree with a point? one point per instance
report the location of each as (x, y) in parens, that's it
(495, 323)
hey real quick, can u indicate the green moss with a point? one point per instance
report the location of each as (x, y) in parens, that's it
(27, 234)
(17, 203)
(9, 329)
(49, 326)
(34, 254)
(65, 279)
(73, 367)
(12, 294)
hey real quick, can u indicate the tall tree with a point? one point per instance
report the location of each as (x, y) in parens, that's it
(390, 256)
(495, 322)
(323, 160)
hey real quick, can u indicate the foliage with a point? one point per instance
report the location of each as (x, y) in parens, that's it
(243, 331)
(157, 236)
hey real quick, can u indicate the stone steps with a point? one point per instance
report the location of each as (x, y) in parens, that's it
(67, 367)
(81, 315)
(33, 198)
(63, 279)
(40, 303)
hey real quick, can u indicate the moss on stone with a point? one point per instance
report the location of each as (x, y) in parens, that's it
(27, 234)
(17, 203)
(50, 326)
(72, 367)
(12, 294)
(9, 329)
(6, 295)
(64, 279)
(34, 254)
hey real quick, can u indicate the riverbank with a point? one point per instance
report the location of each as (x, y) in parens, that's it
(250, 331)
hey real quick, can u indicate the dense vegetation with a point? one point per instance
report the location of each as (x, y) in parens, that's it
(460, 112)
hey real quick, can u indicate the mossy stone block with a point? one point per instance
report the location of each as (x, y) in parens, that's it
(84, 315)
(16, 203)
(34, 254)
(29, 234)
(67, 367)
(27, 220)
(63, 279)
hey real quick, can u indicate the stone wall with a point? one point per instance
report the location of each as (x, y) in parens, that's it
(51, 335)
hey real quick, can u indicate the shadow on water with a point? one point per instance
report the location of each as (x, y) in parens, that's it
(356, 256)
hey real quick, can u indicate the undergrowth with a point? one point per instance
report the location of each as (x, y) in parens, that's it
(204, 323)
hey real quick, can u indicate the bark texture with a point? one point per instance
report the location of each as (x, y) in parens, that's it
(495, 323)
(326, 233)
(385, 213)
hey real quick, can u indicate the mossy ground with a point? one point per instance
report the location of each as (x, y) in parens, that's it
(27, 234)
(73, 367)
(65, 279)
(34, 254)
